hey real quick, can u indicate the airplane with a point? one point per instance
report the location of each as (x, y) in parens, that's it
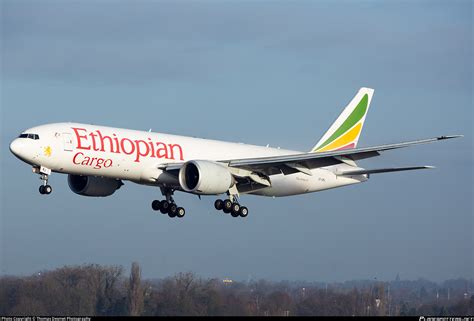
(98, 159)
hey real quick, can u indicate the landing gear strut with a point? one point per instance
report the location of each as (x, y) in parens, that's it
(231, 206)
(168, 206)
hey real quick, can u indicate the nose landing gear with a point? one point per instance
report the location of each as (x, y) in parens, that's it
(45, 188)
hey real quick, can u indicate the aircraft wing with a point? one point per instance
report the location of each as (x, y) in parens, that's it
(305, 161)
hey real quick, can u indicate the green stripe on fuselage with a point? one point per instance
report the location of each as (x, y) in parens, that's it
(353, 118)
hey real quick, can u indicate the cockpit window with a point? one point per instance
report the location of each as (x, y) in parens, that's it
(29, 136)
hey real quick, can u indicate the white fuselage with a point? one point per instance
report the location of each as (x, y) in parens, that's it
(132, 155)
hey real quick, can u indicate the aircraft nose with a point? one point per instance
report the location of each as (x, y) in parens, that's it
(16, 147)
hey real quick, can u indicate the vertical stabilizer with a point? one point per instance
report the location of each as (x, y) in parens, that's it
(344, 133)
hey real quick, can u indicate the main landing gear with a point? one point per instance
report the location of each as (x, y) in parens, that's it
(232, 207)
(168, 206)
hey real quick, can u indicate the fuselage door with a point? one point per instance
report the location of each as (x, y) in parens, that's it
(67, 139)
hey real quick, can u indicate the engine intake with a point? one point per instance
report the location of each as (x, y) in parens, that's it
(205, 177)
(93, 186)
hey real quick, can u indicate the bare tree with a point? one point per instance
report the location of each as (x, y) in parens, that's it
(135, 291)
(102, 290)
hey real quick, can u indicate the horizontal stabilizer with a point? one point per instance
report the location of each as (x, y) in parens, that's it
(384, 170)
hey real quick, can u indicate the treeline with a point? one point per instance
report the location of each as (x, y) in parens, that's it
(105, 290)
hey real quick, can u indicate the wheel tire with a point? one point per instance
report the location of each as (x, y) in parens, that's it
(235, 209)
(244, 211)
(48, 189)
(173, 211)
(180, 212)
(156, 205)
(227, 206)
(41, 189)
(164, 207)
(219, 205)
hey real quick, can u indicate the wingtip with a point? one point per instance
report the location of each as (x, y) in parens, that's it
(429, 167)
(450, 137)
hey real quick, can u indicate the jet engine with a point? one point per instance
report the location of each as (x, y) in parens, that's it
(205, 177)
(93, 186)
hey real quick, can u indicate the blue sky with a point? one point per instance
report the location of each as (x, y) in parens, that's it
(260, 72)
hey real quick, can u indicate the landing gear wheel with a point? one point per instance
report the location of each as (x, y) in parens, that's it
(235, 209)
(173, 210)
(156, 205)
(45, 189)
(180, 212)
(227, 206)
(243, 211)
(48, 189)
(219, 204)
(164, 207)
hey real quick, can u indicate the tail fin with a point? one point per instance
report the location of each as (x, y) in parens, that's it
(344, 133)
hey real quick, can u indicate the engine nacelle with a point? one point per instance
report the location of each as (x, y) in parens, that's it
(93, 186)
(205, 177)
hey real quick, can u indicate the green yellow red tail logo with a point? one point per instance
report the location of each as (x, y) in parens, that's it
(345, 131)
